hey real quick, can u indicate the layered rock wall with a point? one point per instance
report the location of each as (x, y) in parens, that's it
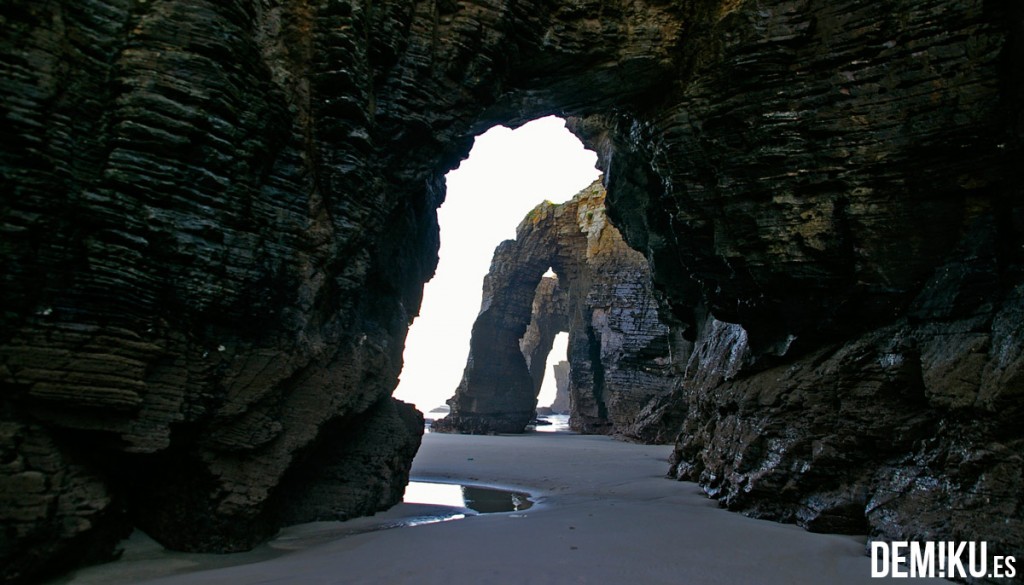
(217, 217)
(549, 316)
(619, 356)
(830, 203)
(185, 305)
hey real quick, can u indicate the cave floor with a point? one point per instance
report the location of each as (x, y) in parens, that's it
(605, 513)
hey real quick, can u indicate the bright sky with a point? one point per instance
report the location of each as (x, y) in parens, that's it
(507, 174)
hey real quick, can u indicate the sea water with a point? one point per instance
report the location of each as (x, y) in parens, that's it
(559, 423)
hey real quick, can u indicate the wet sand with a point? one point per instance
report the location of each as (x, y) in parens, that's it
(605, 513)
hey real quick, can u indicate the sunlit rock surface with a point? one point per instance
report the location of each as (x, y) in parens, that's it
(217, 218)
(619, 356)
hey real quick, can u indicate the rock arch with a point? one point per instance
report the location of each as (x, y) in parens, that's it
(549, 317)
(218, 215)
(619, 350)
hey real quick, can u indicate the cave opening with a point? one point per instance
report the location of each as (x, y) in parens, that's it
(507, 173)
(549, 387)
(220, 217)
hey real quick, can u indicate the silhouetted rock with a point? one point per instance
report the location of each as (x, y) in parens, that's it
(354, 470)
(560, 405)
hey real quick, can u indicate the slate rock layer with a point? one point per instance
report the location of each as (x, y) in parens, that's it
(217, 217)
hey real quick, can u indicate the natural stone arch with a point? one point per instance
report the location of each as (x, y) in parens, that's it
(620, 354)
(218, 217)
(549, 317)
(221, 217)
(497, 387)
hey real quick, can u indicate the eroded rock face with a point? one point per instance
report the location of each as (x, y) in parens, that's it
(549, 316)
(217, 218)
(837, 219)
(356, 469)
(619, 356)
(884, 433)
(185, 284)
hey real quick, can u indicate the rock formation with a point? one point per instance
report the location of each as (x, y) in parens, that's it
(549, 316)
(217, 217)
(831, 208)
(619, 354)
(560, 405)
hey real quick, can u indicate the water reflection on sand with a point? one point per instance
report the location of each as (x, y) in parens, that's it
(485, 500)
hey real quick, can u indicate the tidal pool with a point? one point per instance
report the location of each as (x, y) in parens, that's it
(485, 500)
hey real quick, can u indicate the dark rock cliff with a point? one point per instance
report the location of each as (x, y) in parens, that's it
(831, 202)
(217, 216)
(619, 353)
(204, 272)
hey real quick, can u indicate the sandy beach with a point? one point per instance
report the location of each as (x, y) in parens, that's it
(604, 513)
